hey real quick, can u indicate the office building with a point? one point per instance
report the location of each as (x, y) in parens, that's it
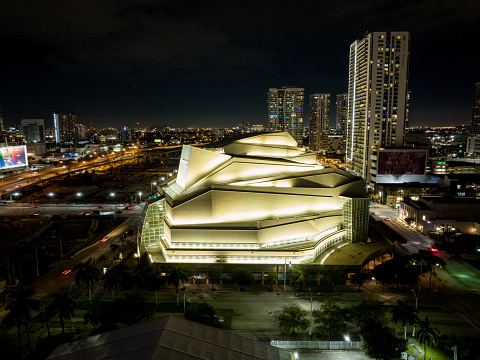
(65, 127)
(253, 200)
(285, 111)
(319, 119)
(476, 110)
(1, 121)
(33, 130)
(377, 97)
(341, 117)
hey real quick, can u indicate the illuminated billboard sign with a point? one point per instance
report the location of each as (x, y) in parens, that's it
(401, 162)
(13, 156)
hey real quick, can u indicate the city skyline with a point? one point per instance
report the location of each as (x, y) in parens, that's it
(120, 63)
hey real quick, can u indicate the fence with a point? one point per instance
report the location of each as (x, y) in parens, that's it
(316, 345)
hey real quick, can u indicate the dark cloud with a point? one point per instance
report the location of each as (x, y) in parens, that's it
(211, 62)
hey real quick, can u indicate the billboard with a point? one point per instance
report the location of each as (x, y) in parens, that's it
(401, 162)
(13, 156)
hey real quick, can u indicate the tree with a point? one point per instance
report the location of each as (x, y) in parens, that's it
(242, 277)
(404, 313)
(112, 280)
(131, 309)
(129, 278)
(272, 278)
(66, 308)
(213, 276)
(103, 258)
(409, 220)
(292, 317)
(364, 312)
(331, 319)
(179, 273)
(86, 276)
(334, 276)
(427, 334)
(155, 280)
(114, 248)
(19, 310)
(303, 276)
(202, 313)
(360, 278)
(380, 343)
(458, 345)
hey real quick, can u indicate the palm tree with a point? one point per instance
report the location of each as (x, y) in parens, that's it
(103, 258)
(129, 278)
(459, 346)
(66, 306)
(86, 276)
(404, 313)
(179, 273)
(112, 280)
(155, 281)
(20, 310)
(114, 248)
(427, 334)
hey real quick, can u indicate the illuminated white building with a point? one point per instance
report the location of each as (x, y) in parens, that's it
(258, 199)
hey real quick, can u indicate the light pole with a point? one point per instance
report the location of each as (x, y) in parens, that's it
(152, 185)
(140, 194)
(311, 309)
(416, 304)
(61, 249)
(372, 282)
(285, 274)
(184, 293)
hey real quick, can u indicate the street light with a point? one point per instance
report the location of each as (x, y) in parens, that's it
(285, 274)
(416, 304)
(372, 282)
(311, 310)
(79, 194)
(140, 194)
(152, 185)
(347, 339)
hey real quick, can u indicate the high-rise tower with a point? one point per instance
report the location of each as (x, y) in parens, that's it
(319, 119)
(1, 121)
(476, 110)
(377, 97)
(285, 111)
(65, 127)
(33, 130)
(341, 119)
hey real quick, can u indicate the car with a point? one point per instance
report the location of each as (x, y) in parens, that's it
(387, 219)
(433, 249)
(66, 272)
(104, 239)
(129, 208)
(2, 191)
(35, 206)
(17, 186)
(101, 206)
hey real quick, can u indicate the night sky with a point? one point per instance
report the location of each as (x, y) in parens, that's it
(210, 63)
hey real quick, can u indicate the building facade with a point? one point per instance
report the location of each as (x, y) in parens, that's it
(476, 110)
(377, 97)
(342, 108)
(65, 127)
(319, 119)
(256, 200)
(33, 130)
(285, 111)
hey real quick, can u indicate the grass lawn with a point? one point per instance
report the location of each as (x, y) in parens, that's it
(432, 352)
